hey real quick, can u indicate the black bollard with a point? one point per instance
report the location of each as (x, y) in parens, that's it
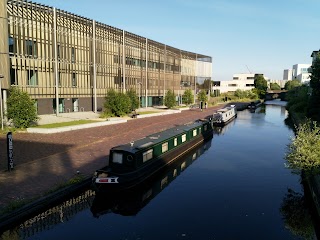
(10, 151)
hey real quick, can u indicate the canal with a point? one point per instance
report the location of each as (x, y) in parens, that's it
(234, 186)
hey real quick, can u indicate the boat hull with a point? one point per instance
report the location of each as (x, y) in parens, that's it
(223, 123)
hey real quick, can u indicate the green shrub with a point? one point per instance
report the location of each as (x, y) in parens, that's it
(170, 99)
(116, 104)
(202, 96)
(131, 93)
(187, 97)
(21, 108)
(304, 150)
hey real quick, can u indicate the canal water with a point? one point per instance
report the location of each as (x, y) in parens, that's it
(234, 186)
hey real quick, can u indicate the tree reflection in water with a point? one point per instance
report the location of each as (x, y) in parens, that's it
(295, 212)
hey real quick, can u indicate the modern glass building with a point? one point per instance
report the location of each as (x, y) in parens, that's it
(68, 62)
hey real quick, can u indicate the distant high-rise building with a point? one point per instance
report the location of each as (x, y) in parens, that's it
(301, 72)
(287, 74)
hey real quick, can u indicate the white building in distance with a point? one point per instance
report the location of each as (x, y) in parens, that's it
(299, 72)
(243, 81)
(287, 74)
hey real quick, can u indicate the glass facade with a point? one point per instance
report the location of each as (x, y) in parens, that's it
(86, 58)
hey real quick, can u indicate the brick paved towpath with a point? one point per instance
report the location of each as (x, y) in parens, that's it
(43, 161)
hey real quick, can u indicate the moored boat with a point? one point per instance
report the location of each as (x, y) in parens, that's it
(254, 104)
(129, 202)
(130, 163)
(224, 115)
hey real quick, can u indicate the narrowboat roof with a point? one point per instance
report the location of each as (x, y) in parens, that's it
(223, 110)
(156, 138)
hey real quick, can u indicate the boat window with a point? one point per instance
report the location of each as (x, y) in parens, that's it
(147, 155)
(183, 138)
(175, 142)
(194, 132)
(164, 147)
(117, 157)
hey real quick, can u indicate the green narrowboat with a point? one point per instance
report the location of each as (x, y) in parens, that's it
(129, 202)
(130, 163)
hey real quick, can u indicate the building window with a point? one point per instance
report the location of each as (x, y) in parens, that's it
(59, 79)
(164, 147)
(175, 141)
(205, 128)
(235, 78)
(58, 51)
(31, 48)
(232, 85)
(13, 77)
(183, 138)
(11, 45)
(74, 80)
(73, 54)
(147, 155)
(32, 78)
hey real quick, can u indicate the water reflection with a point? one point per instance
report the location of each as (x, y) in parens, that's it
(296, 215)
(130, 201)
(55, 215)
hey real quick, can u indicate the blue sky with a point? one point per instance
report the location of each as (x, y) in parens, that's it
(264, 36)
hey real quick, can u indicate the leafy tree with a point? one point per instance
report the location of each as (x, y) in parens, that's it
(206, 84)
(275, 86)
(202, 96)
(117, 103)
(314, 104)
(170, 99)
(297, 99)
(292, 84)
(187, 97)
(245, 94)
(261, 85)
(21, 108)
(240, 93)
(131, 93)
(304, 150)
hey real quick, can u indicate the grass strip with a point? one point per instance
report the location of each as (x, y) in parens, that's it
(65, 124)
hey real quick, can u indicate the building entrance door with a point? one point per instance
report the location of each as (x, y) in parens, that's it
(75, 104)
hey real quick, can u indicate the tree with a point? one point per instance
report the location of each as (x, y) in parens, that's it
(314, 103)
(202, 96)
(187, 97)
(297, 100)
(206, 84)
(21, 108)
(117, 103)
(261, 85)
(292, 84)
(131, 93)
(304, 150)
(170, 99)
(275, 86)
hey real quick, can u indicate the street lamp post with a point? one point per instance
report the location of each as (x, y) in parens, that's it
(1, 110)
